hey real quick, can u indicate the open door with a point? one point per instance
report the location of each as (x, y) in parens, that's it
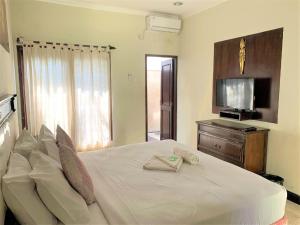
(168, 100)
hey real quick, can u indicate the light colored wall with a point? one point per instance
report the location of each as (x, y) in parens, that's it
(49, 22)
(9, 131)
(229, 20)
(153, 99)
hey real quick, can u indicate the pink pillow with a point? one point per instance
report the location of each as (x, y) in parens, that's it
(63, 138)
(76, 173)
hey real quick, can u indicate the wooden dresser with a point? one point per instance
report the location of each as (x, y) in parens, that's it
(234, 143)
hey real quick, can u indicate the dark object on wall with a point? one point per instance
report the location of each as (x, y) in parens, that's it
(7, 108)
(262, 61)
(262, 89)
(236, 143)
(274, 178)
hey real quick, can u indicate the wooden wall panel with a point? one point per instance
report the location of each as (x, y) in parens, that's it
(263, 60)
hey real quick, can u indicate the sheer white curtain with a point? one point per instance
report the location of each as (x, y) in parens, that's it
(69, 87)
(48, 84)
(92, 99)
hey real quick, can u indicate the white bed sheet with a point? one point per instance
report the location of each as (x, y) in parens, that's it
(213, 192)
(97, 217)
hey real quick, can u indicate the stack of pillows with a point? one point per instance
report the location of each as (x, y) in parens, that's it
(46, 182)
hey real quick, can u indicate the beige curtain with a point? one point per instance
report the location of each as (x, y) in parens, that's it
(69, 86)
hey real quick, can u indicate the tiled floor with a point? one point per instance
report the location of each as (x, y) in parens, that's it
(154, 136)
(292, 212)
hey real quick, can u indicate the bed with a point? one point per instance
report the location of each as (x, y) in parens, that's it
(213, 192)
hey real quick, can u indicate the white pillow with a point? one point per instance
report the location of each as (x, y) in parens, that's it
(45, 133)
(35, 156)
(25, 144)
(49, 148)
(47, 143)
(57, 194)
(20, 194)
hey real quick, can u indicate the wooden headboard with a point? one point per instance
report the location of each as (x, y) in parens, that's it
(7, 141)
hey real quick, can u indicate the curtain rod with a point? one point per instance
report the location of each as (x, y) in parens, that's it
(20, 42)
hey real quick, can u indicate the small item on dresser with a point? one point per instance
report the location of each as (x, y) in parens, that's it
(159, 163)
(187, 156)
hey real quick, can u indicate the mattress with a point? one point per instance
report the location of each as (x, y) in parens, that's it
(213, 192)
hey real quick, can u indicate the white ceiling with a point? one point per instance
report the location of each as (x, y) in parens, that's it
(143, 7)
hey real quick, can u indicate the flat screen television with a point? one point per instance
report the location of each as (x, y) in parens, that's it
(235, 93)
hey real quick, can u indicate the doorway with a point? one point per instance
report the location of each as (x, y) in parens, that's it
(161, 97)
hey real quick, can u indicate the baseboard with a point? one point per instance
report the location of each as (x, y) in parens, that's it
(293, 197)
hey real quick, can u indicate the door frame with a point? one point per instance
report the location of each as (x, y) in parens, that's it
(175, 58)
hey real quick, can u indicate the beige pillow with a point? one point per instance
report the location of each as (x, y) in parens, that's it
(25, 144)
(57, 194)
(76, 173)
(63, 138)
(45, 133)
(20, 194)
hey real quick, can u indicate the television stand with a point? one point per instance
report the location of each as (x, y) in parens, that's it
(238, 114)
(236, 143)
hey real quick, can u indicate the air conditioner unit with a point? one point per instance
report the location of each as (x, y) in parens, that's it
(165, 23)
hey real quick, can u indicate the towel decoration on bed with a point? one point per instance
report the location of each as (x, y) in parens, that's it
(164, 163)
(187, 156)
(172, 162)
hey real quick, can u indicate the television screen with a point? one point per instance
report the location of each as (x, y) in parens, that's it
(237, 93)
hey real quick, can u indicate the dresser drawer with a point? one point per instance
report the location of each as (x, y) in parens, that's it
(232, 151)
(230, 142)
(228, 134)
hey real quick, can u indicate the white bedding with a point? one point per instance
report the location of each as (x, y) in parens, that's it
(96, 216)
(213, 192)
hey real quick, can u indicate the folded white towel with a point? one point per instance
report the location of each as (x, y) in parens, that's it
(156, 163)
(172, 160)
(187, 156)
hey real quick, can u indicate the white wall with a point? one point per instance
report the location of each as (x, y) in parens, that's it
(50, 22)
(9, 131)
(232, 19)
(8, 86)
